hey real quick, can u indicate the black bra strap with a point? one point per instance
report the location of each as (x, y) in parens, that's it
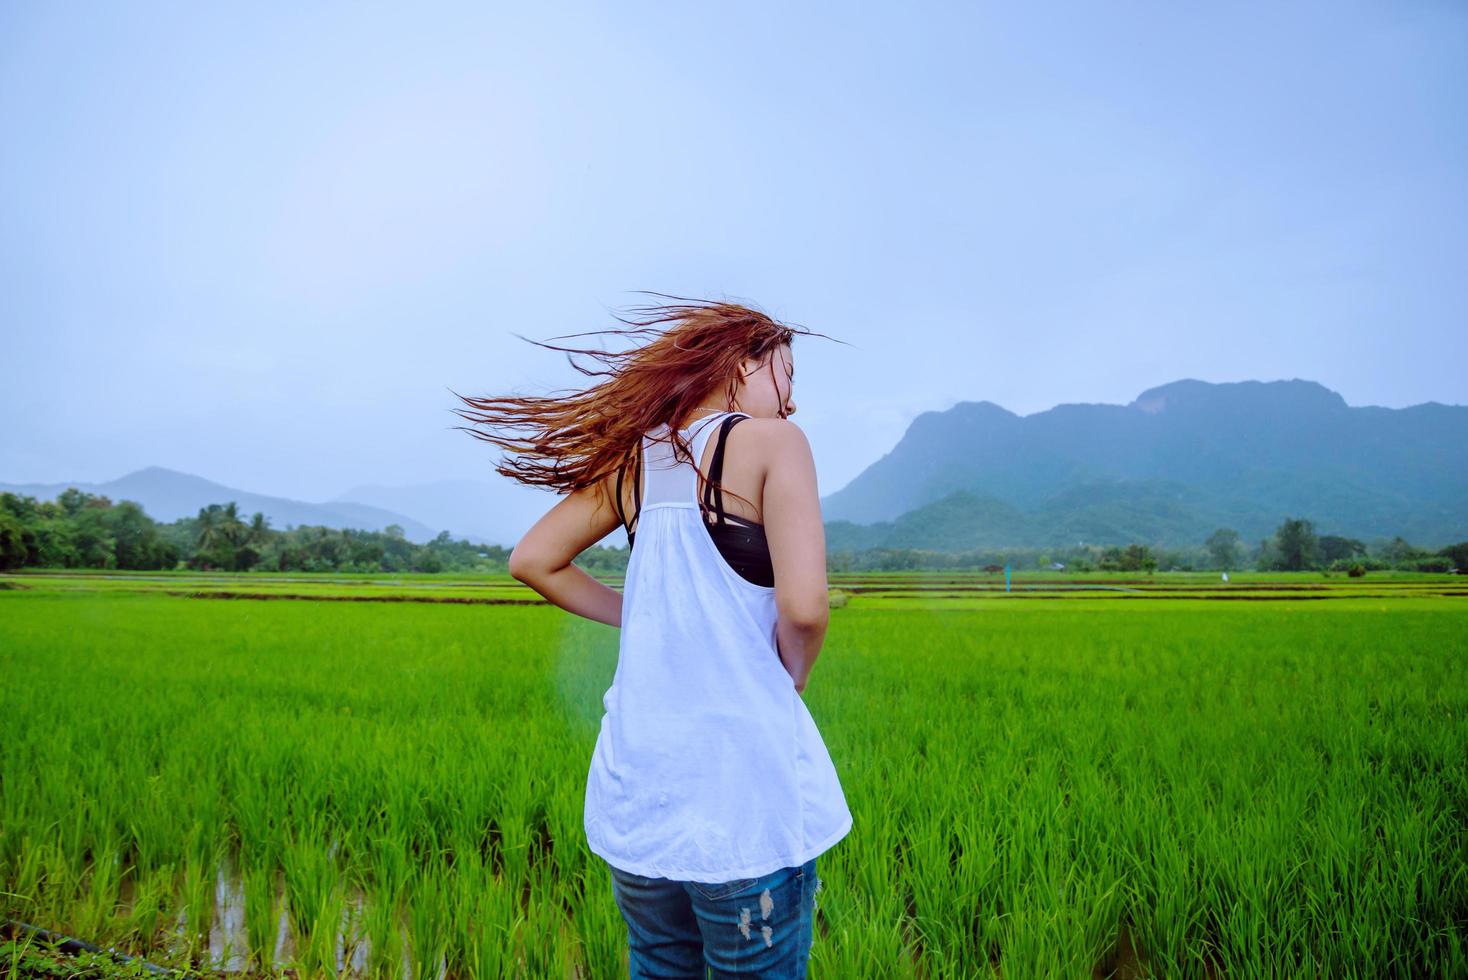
(716, 469)
(637, 485)
(617, 497)
(636, 493)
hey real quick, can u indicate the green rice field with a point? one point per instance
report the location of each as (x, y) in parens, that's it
(1082, 777)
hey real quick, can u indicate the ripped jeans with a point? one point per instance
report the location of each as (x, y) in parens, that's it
(753, 927)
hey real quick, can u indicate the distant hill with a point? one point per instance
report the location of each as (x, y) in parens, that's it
(166, 495)
(1167, 469)
(483, 512)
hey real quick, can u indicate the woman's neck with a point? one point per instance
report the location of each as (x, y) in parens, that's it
(701, 412)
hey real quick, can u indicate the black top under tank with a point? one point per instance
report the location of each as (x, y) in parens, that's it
(741, 542)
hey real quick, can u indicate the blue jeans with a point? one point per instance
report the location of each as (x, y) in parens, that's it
(753, 927)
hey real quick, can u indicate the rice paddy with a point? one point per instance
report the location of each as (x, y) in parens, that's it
(1080, 777)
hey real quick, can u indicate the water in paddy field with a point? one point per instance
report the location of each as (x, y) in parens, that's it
(229, 946)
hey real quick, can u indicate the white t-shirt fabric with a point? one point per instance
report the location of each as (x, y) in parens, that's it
(708, 766)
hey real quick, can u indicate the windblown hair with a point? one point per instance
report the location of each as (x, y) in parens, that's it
(574, 440)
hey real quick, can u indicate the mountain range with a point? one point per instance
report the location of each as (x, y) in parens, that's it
(479, 512)
(166, 495)
(1178, 462)
(1167, 469)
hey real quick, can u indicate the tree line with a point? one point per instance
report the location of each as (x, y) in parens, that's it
(83, 530)
(1294, 546)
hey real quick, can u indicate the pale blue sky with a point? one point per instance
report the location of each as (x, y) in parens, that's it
(259, 243)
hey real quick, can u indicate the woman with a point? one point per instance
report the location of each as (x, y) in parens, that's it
(710, 792)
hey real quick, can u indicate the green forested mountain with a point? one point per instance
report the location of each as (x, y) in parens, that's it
(1178, 462)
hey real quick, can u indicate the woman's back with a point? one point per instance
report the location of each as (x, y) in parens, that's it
(708, 766)
(740, 540)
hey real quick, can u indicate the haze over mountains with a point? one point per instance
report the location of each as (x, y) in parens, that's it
(166, 495)
(1170, 467)
(1178, 462)
(485, 512)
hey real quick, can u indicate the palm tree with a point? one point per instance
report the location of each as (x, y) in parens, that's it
(210, 530)
(234, 528)
(258, 531)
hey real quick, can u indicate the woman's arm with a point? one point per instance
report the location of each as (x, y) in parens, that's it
(791, 509)
(542, 559)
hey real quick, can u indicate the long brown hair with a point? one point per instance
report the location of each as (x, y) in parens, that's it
(574, 440)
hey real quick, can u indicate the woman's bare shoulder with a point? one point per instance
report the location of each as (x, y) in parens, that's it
(771, 441)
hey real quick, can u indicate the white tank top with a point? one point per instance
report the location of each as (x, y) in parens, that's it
(708, 766)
